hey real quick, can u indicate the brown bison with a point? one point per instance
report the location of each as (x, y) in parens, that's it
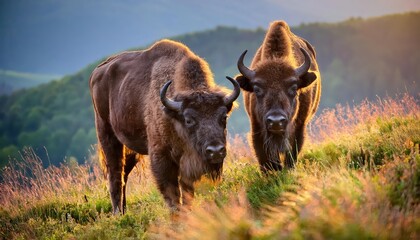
(282, 93)
(181, 127)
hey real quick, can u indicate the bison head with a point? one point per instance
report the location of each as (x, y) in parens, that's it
(202, 116)
(276, 85)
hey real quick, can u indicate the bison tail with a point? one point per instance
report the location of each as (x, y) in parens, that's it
(130, 160)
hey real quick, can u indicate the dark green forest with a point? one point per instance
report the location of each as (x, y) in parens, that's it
(359, 59)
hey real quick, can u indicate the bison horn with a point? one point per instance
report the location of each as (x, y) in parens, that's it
(168, 103)
(248, 73)
(306, 65)
(235, 94)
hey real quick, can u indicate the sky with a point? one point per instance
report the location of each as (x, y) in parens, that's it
(62, 36)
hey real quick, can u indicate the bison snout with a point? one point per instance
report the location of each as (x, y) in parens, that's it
(215, 153)
(276, 123)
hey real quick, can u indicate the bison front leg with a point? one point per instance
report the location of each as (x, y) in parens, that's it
(130, 163)
(296, 144)
(113, 151)
(291, 157)
(187, 187)
(266, 162)
(166, 174)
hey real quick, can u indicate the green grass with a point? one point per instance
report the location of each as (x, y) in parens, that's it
(267, 189)
(355, 179)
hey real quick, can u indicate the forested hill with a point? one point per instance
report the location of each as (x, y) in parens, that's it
(358, 59)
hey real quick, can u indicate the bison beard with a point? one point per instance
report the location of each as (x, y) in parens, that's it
(274, 146)
(280, 96)
(185, 138)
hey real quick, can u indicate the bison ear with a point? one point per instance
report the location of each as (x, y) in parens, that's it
(244, 82)
(173, 114)
(307, 79)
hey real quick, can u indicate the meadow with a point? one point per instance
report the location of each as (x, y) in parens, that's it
(356, 178)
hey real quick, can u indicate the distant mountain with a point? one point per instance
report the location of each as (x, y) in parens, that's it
(359, 58)
(11, 81)
(61, 37)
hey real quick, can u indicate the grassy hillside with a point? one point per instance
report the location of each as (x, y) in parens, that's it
(11, 81)
(358, 59)
(357, 178)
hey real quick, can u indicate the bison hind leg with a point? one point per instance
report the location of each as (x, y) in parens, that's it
(115, 174)
(111, 155)
(131, 159)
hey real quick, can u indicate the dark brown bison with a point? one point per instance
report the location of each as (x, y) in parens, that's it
(182, 127)
(282, 93)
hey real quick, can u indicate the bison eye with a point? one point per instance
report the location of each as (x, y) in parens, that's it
(189, 122)
(258, 91)
(292, 91)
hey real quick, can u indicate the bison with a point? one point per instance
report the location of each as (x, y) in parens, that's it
(282, 90)
(182, 127)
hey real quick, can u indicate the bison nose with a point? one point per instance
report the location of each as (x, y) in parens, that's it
(215, 153)
(276, 123)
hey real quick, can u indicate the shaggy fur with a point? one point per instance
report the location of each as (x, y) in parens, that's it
(131, 120)
(274, 65)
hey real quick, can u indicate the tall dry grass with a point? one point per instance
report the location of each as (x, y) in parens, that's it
(27, 183)
(341, 120)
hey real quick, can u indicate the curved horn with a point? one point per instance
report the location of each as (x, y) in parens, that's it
(168, 103)
(248, 73)
(306, 65)
(235, 94)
